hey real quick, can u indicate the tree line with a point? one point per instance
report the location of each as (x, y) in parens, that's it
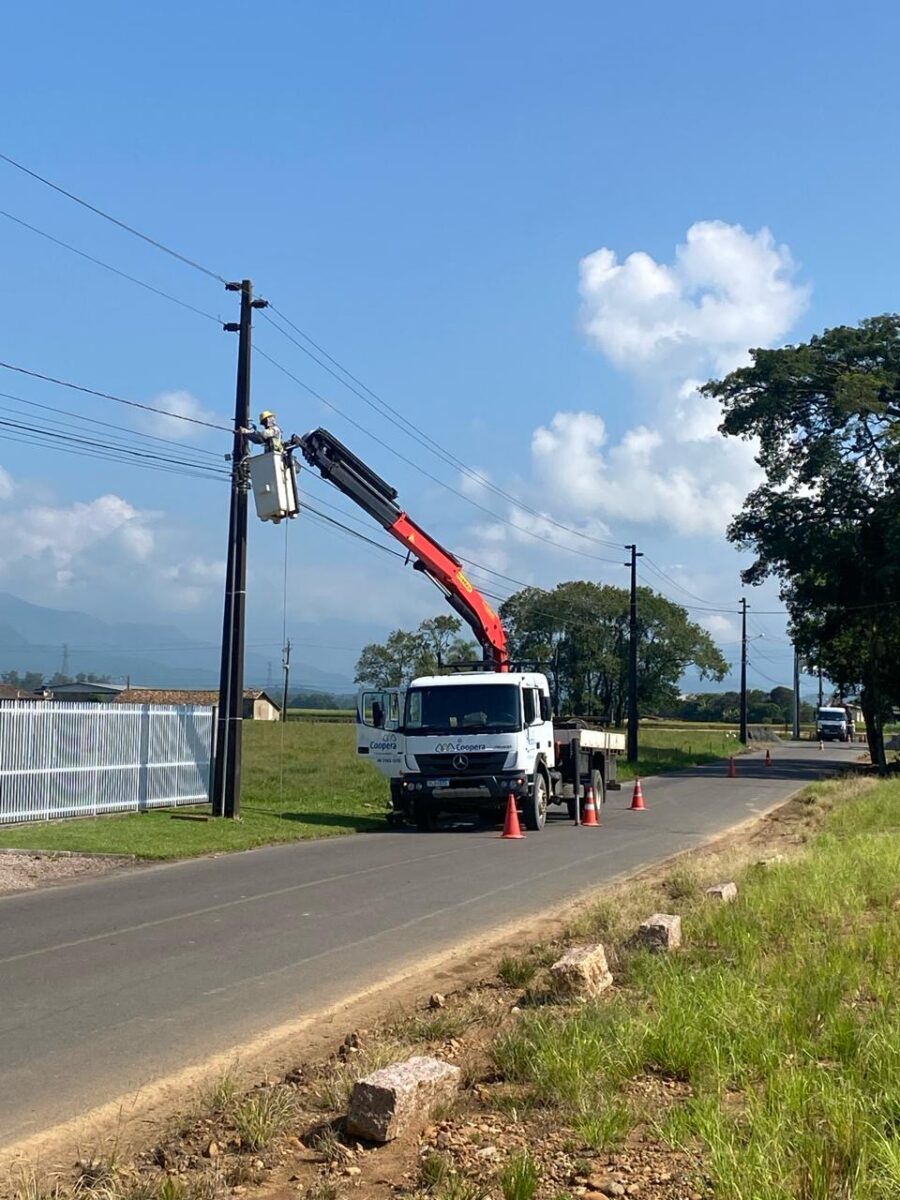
(34, 681)
(577, 634)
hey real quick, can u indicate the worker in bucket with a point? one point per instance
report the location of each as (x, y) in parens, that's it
(266, 434)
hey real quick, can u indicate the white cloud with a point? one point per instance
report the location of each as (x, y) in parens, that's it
(638, 479)
(104, 553)
(6, 485)
(671, 326)
(182, 404)
(727, 290)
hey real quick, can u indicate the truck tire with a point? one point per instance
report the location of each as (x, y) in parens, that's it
(424, 816)
(599, 786)
(534, 805)
(398, 800)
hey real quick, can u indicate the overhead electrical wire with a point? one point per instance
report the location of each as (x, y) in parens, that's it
(108, 267)
(189, 262)
(134, 433)
(77, 387)
(414, 431)
(383, 408)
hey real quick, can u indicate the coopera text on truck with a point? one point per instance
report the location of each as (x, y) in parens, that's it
(467, 741)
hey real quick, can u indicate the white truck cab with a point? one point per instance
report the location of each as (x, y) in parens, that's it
(465, 742)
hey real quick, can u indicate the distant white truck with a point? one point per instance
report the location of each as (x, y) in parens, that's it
(834, 724)
(463, 743)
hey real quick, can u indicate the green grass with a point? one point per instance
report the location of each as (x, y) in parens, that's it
(781, 1013)
(311, 785)
(675, 749)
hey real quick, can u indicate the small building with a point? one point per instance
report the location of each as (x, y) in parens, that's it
(258, 704)
(85, 691)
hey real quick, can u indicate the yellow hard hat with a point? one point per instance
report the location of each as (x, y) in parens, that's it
(264, 416)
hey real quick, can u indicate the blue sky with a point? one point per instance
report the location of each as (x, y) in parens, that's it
(416, 185)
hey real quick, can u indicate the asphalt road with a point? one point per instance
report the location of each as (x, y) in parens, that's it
(108, 984)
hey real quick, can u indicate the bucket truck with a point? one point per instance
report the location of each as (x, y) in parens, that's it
(463, 742)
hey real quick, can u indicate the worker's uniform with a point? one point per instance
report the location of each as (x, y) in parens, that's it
(269, 436)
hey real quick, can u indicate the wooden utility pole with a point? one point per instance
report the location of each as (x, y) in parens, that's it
(633, 659)
(743, 734)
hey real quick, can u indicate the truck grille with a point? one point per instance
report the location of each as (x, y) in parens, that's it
(477, 764)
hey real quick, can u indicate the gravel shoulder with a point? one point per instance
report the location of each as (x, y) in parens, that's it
(22, 871)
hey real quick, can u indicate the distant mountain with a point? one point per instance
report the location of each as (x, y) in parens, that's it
(35, 638)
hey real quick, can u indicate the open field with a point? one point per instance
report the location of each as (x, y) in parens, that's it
(301, 780)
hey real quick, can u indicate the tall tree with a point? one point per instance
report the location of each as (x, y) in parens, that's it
(826, 521)
(434, 645)
(580, 631)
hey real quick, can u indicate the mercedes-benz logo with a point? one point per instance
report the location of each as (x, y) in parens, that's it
(460, 762)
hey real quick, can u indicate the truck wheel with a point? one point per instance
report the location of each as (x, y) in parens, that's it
(424, 816)
(599, 788)
(534, 806)
(398, 800)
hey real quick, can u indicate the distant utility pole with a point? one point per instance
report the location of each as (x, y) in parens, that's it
(226, 789)
(743, 734)
(286, 667)
(797, 695)
(821, 698)
(633, 659)
(64, 669)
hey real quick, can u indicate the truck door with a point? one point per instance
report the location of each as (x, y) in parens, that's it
(377, 729)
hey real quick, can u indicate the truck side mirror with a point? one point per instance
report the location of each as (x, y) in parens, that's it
(546, 708)
(378, 714)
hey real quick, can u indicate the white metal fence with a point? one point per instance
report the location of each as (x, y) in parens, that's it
(79, 760)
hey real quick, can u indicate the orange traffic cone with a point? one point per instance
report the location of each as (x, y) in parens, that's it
(511, 827)
(732, 768)
(590, 809)
(637, 801)
(768, 759)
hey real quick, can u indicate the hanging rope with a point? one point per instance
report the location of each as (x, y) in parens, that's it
(284, 651)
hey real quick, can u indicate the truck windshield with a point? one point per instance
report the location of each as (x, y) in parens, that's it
(485, 707)
(832, 714)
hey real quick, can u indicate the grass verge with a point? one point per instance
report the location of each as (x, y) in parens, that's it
(299, 781)
(778, 1021)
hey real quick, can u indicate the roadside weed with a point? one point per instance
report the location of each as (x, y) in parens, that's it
(517, 971)
(520, 1177)
(263, 1116)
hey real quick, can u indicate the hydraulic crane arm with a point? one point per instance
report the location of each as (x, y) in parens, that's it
(350, 475)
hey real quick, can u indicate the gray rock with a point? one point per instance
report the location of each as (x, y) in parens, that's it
(582, 971)
(726, 893)
(661, 932)
(387, 1103)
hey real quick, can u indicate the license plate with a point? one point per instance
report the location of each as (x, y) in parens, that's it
(440, 783)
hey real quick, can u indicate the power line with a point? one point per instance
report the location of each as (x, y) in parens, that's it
(82, 419)
(382, 407)
(108, 267)
(422, 470)
(106, 455)
(189, 262)
(76, 387)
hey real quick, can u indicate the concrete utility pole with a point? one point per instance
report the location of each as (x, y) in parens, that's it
(797, 696)
(226, 789)
(286, 667)
(743, 733)
(633, 659)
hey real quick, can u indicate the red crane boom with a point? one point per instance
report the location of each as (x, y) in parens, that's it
(350, 475)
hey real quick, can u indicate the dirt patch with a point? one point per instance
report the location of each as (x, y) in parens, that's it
(24, 870)
(309, 1068)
